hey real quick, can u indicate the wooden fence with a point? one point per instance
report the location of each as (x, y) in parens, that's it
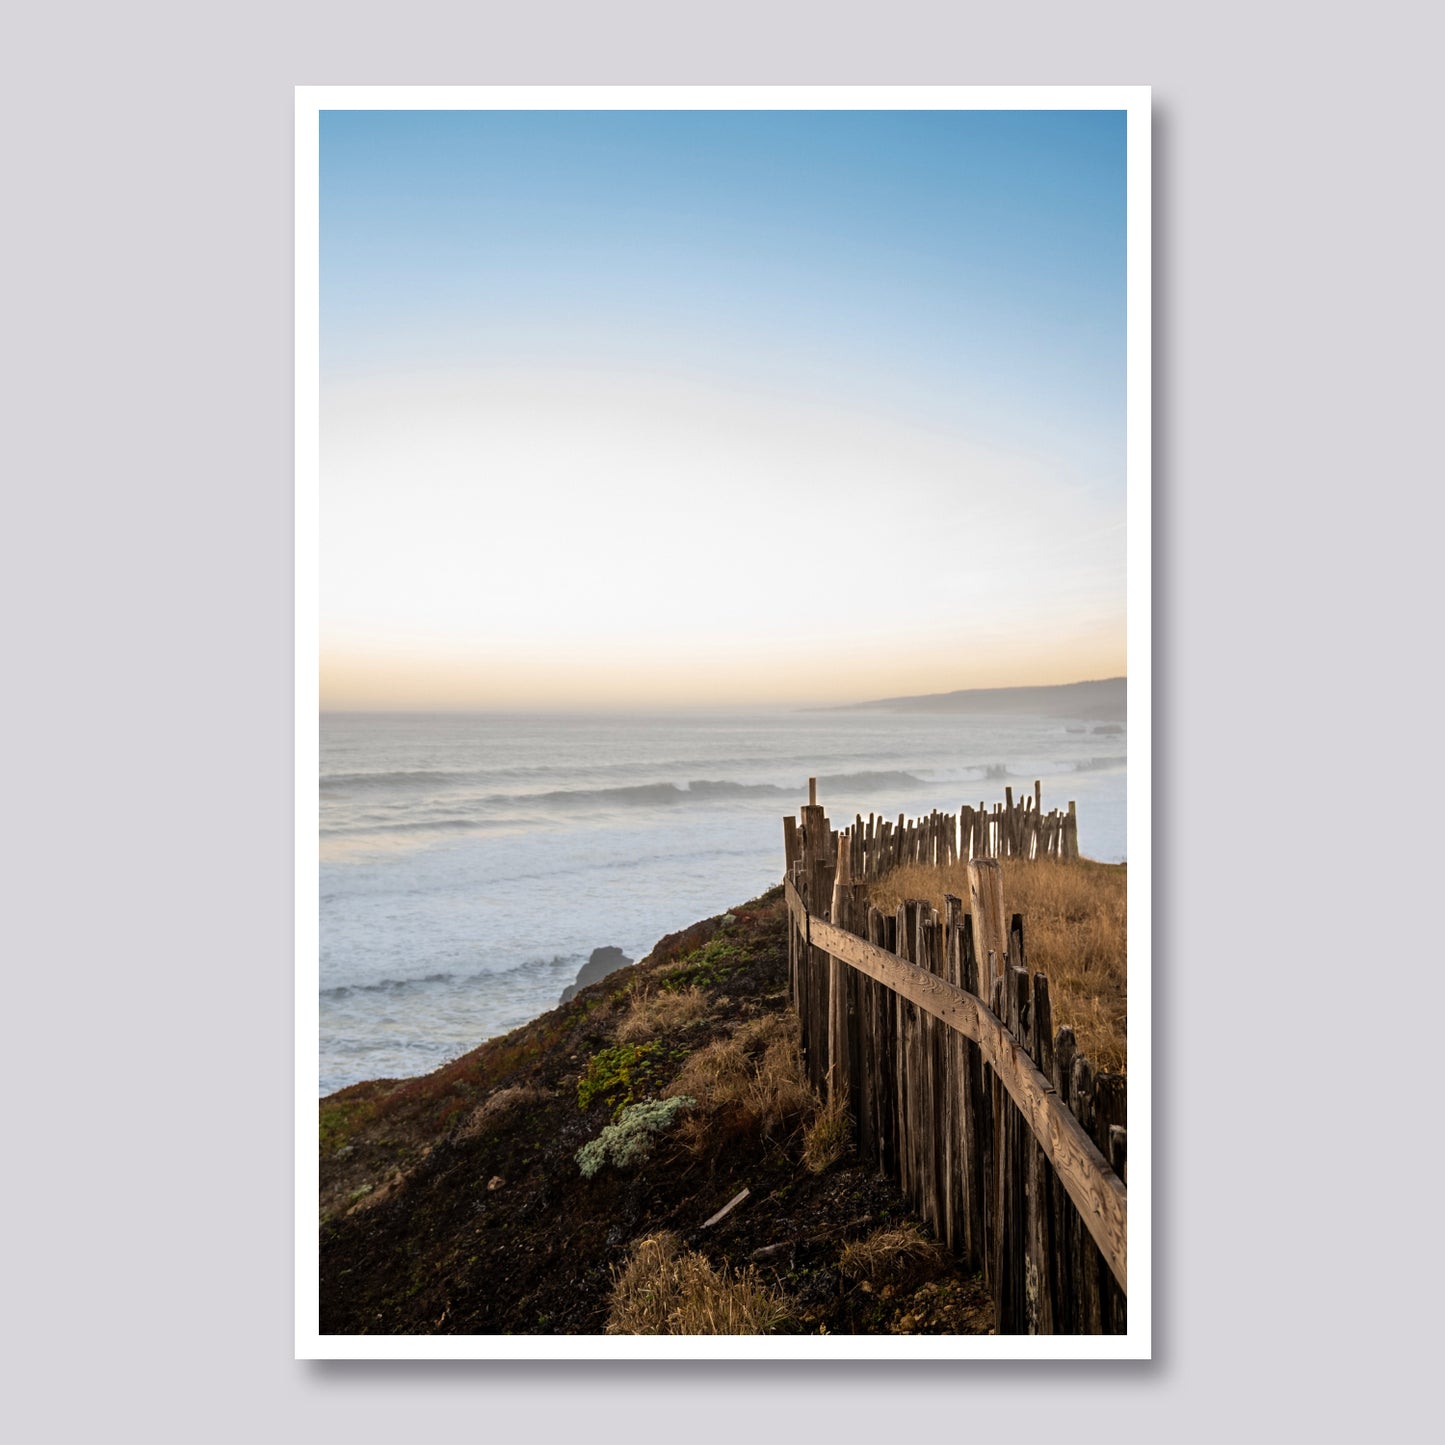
(1007, 830)
(942, 1044)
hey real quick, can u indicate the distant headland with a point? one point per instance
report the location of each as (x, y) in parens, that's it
(1105, 698)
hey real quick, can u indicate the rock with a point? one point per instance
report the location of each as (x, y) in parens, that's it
(604, 961)
(495, 1183)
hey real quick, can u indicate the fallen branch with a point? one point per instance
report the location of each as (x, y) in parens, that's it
(728, 1207)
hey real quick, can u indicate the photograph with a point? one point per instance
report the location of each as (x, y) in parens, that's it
(722, 722)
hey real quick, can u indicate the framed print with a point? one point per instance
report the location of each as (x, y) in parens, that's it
(723, 698)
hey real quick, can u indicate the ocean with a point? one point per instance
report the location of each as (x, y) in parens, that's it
(470, 863)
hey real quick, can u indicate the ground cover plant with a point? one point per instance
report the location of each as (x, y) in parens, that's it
(630, 1139)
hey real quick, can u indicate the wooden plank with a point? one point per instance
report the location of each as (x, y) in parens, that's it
(1069, 1236)
(866, 1060)
(1020, 1006)
(925, 1078)
(976, 1119)
(1095, 1189)
(1110, 1113)
(1081, 1094)
(939, 1100)
(842, 879)
(1065, 1051)
(1028, 1163)
(985, 893)
(955, 1070)
(817, 895)
(1110, 1107)
(1086, 1265)
(999, 1282)
(883, 1054)
(839, 1075)
(1043, 1050)
(728, 1207)
(901, 1016)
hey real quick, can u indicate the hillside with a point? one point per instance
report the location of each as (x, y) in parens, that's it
(1098, 701)
(455, 1203)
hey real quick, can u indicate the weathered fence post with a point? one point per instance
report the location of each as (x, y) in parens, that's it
(990, 930)
(839, 1062)
(817, 892)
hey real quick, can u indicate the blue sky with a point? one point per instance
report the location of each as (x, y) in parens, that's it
(951, 279)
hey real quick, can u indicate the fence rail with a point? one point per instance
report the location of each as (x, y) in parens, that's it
(942, 1045)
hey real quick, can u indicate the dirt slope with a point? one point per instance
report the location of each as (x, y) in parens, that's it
(454, 1203)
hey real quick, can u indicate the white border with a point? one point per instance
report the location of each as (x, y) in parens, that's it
(1135, 101)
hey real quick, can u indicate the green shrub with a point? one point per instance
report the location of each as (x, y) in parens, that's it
(709, 966)
(630, 1138)
(613, 1075)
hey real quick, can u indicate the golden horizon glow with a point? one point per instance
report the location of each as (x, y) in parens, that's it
(572, 540)
(355, 680)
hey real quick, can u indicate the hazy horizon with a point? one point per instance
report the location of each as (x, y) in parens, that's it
(563, 709)
(719, 409)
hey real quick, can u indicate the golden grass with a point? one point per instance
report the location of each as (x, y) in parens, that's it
(888, 1255)
(753, 1078)
(662, 1012)
(753, 1082)
(665, 1290)
(828, 1137)
(1075, 931)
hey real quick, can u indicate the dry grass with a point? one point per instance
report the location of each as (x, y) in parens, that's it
(663, 1012)
(753, 1082)
(754, 1079)
(890, 1255)
(827, 1139)
(664, 1290)
(1075, 930)
(490, 1111)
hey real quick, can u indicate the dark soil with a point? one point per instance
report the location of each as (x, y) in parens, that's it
(444, 1213)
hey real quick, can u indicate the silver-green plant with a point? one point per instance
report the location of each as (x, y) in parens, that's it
(630, 1138)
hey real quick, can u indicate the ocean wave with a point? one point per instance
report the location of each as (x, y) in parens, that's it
(419, 825)
(977, 773)
(386, 985)
(414, 779)
(868, 782)
(1089, 765)
(559, 963)
(418, 778)
(501, 811)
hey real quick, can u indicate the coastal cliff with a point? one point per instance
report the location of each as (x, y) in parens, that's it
(660, 1114)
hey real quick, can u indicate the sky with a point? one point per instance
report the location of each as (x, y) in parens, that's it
(666, 408)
